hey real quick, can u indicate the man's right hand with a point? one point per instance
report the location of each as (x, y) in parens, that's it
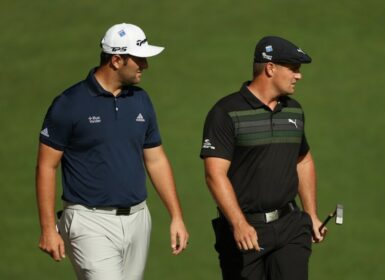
(52, 244)
(216, 170)
(246, 236)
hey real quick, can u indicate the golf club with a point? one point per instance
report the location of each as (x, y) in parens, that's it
(338, 213)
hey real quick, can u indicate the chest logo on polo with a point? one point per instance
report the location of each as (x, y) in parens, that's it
(140, 118)
(44, 132)
(207, 145)
(293, 122)
(94, 119)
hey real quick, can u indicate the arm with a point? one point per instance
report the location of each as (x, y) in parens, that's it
(159, 170)
(220, 187)
(47, 163)
(308, 193)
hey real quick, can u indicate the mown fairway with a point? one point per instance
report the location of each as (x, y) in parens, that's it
(48, 45)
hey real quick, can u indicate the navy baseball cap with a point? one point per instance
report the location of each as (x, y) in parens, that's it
(278, 50)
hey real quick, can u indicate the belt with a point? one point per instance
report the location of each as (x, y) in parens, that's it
(117, 211)
(271, 216)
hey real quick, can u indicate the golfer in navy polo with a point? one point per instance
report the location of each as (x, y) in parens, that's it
(103, 131)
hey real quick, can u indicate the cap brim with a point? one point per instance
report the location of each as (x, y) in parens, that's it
(147, 51)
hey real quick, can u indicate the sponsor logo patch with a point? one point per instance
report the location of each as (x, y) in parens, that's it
(140, 118)
(207, 145)
(94, 119)
(121, 33)
(293, 122)
(115, 49)
(265, 56)
(141, 42)
(269, 48)
(44, 132)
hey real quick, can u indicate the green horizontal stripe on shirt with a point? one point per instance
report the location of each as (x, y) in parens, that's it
(258, 135)
(263, 111)
(262, 114)
(248, 113)
(288, 133)
(249, 118)
(268, 134)
(270, 140)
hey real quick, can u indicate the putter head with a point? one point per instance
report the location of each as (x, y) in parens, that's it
(339, 214)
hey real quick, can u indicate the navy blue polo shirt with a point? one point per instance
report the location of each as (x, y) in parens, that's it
(102, 138)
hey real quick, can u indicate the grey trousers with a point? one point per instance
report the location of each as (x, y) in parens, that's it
(102, 245)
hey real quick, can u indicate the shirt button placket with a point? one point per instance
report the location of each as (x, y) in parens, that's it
(116, 107)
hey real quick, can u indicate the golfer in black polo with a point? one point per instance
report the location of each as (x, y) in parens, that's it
(103, 131)
(256, 161)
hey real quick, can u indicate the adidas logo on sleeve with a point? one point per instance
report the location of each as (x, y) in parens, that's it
(44, 132)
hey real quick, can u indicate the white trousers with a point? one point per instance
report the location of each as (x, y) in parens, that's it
(104, 246)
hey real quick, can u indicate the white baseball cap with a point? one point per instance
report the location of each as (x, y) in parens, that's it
(125, 38)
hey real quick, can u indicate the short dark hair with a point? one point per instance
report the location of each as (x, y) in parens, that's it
(258, 68)
(106, 58)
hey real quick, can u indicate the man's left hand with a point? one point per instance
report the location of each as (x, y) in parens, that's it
(318, 235)
(179, 236)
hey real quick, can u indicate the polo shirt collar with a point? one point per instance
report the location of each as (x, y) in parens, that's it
(254, 101)
(97, 90)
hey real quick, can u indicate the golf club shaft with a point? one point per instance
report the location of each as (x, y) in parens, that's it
(331, 215)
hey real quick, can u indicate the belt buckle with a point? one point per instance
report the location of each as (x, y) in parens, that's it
(271, 216)
(123, 211)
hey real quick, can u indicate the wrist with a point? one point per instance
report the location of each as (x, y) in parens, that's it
(239, 222)
(314, 216)
(177, 218)
(48, 229)
(311, 213)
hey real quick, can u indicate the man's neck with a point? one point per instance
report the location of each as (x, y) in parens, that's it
(107, 80)
(264, 94)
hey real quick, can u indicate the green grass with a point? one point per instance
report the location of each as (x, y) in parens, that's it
(48, 45)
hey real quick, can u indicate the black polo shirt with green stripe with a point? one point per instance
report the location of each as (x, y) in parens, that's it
(262, 145)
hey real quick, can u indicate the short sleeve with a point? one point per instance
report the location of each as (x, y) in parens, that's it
(153, 138)
(57, 125)
(218, 135)
(304, 148)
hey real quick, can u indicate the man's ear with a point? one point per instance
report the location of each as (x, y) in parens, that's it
(270, 69)
(116, 61)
